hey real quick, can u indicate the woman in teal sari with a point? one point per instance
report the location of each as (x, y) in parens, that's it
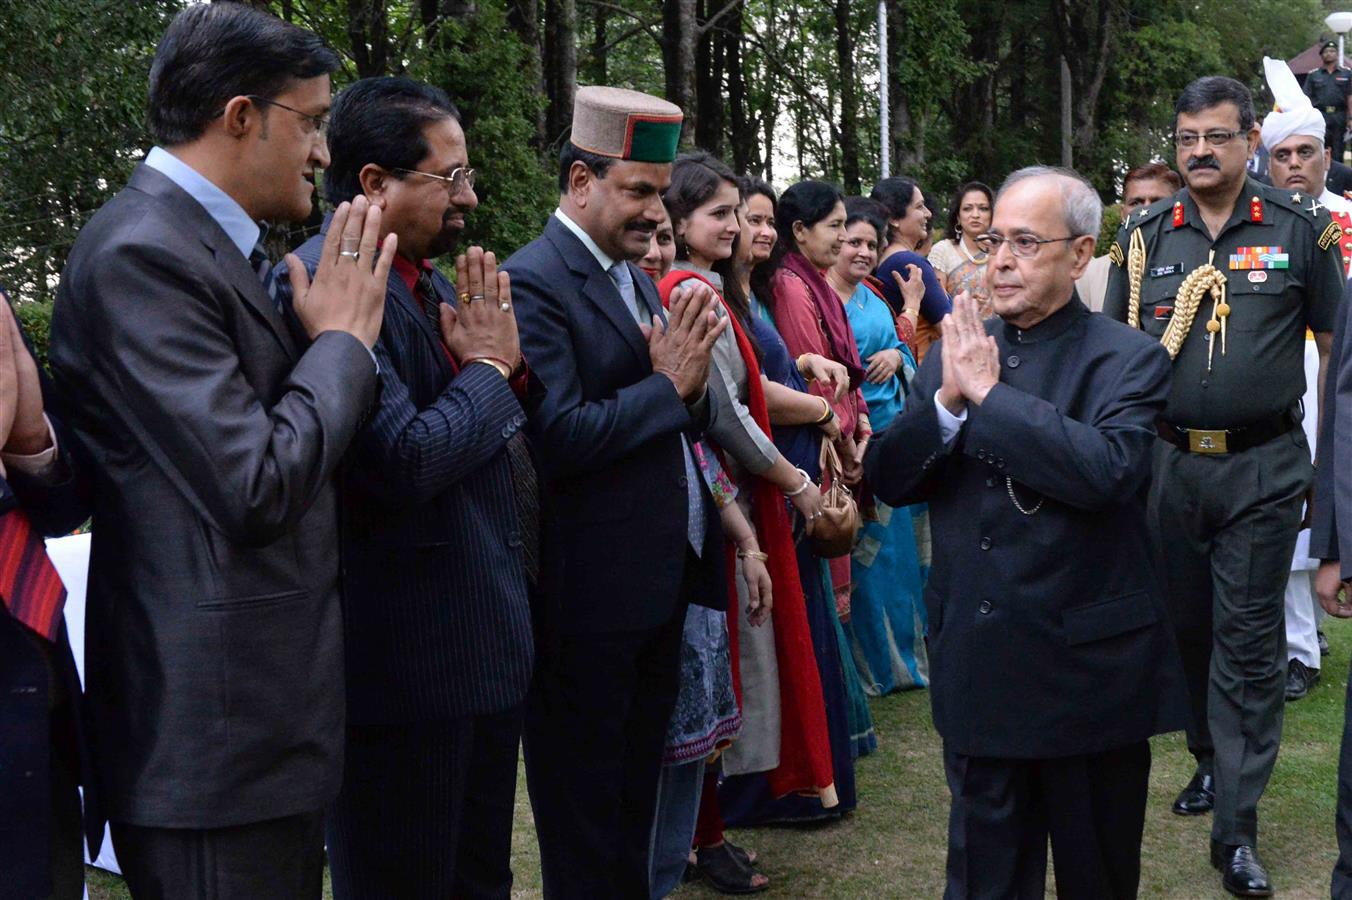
(887, 611)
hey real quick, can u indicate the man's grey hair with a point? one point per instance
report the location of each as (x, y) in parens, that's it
(1080, 202)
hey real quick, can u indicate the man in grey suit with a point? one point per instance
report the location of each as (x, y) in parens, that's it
(214, 649)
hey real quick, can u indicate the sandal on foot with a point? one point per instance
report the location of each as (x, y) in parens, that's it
(748, 857)
(727, 873)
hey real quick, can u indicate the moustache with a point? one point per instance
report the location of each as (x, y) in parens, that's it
(1205, 162)
(640, 225)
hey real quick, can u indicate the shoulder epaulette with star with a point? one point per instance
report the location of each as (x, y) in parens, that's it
(1117, 250)
(1299, 202)
(1147, 213)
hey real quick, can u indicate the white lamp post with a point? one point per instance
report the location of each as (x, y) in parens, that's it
(1340, 23)
(884, 101)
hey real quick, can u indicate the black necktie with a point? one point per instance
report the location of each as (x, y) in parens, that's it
(525, 485)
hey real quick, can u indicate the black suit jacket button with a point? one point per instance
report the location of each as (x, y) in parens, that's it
(1013, 362)
(984, 607)
(985, 543)
(981, 454)
(507, 431)
(1000, 463)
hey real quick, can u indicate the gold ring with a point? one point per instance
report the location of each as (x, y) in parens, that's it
(464, 297)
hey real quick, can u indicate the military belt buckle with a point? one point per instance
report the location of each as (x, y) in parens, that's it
(1200, 441)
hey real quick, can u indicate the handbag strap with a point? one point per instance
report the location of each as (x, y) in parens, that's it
(829, 460)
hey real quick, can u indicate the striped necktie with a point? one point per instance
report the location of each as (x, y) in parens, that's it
(428, 299)
(258, 260)
(694, 498)
(29, 585)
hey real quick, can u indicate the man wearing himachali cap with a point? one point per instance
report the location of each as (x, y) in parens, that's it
(629, 535)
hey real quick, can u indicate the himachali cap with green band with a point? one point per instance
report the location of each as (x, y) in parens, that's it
(625, 124)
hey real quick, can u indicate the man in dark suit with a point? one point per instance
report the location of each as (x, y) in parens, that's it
(214, 645)
(630, 534)
(1333, 580)
(435, 553)
(42, 754)
(1051, 657)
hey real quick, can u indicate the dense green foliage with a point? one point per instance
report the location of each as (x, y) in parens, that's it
(783, 88)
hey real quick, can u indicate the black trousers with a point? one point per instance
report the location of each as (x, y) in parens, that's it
(1335, 126)
(596, 719)
(426, 810)
(1227, 527)
(280, 859)
(1004, 810)
(1342, 870)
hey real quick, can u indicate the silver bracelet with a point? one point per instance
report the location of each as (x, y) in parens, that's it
(807, 483)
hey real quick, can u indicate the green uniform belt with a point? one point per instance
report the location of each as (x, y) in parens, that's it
(1225, 440)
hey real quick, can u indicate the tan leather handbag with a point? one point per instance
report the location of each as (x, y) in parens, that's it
(835, 532)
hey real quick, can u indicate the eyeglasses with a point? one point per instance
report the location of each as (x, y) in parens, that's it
(461, 177)
(1024, 246)
(314, 124)
(1188, 139)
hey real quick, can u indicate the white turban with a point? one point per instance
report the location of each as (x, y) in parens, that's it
(1294, 114)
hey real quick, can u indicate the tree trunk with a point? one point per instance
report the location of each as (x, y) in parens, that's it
(1084, 30)
(680, 30)
(709, 67)
(368, 34)
(742, 132)
(849, 102)
(524, 18)
(906, 156)
(597, 64)
(560, 69)
(1067, 123)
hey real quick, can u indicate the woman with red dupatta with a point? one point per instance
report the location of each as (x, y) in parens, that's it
(784, 719)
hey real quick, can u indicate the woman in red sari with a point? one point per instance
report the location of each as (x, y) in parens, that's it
(784, 723)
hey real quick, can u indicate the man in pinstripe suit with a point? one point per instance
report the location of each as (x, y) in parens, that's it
(438, 526)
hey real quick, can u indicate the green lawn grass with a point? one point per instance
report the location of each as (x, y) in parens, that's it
(894, 844)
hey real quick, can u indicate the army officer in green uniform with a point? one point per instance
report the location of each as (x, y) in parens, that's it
(1227, 274)
(1329, 88)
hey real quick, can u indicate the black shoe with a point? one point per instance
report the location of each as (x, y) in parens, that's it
(1299, 679)
(1323, 643)
(1198, 797)
(1242, 874)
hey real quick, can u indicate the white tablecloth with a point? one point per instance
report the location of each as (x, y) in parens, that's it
(70, 555)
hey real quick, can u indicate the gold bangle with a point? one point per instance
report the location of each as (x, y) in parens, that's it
(798, 364)
(826, 414)
(497, 364)
(752, 554)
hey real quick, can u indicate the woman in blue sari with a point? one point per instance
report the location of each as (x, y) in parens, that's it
(887, 612)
